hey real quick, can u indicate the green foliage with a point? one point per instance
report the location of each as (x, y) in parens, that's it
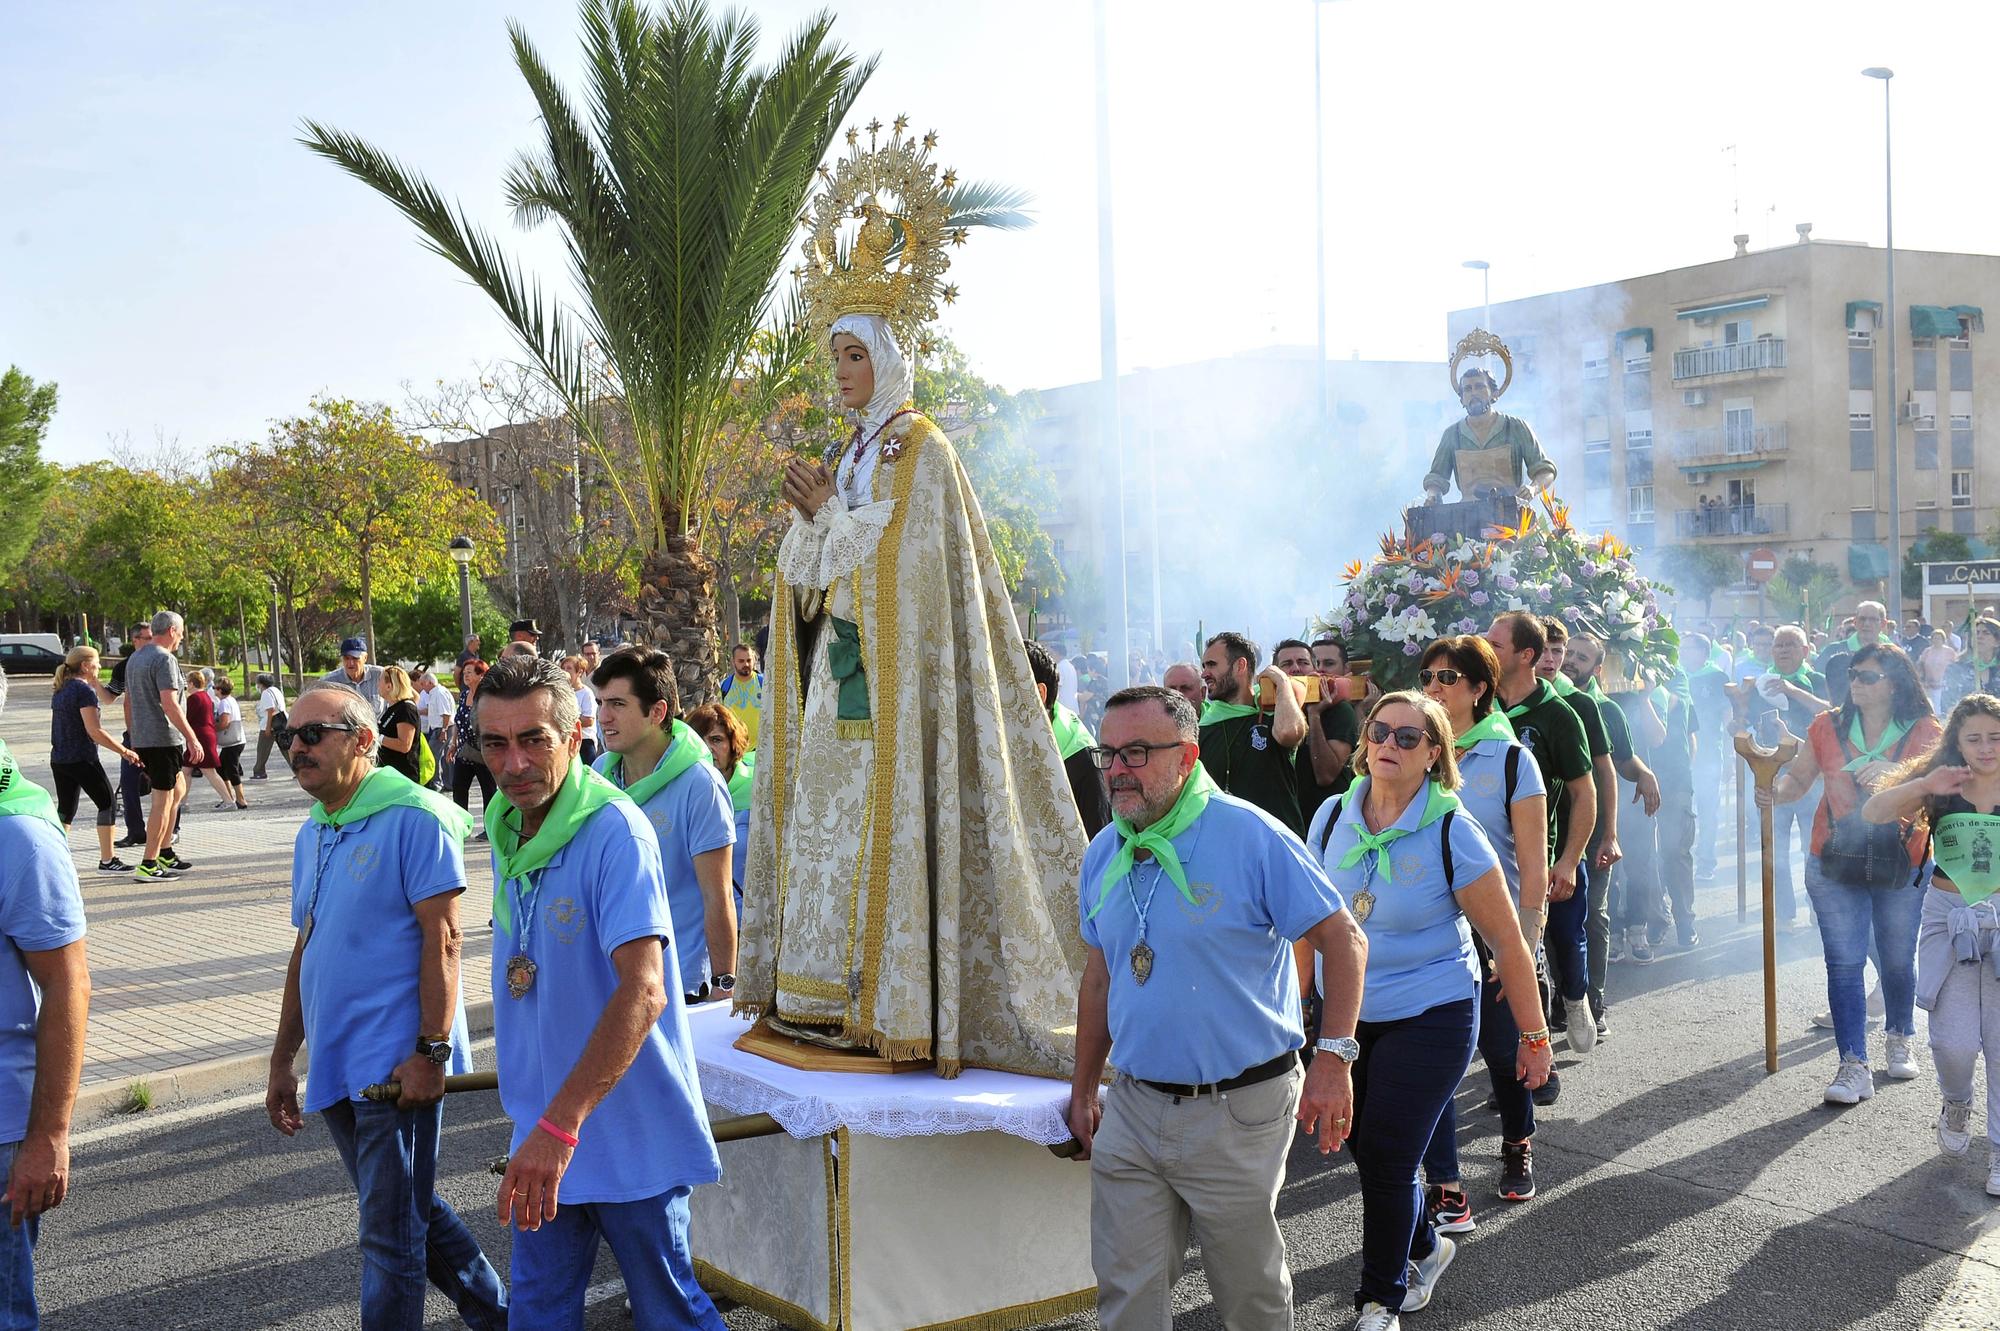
(1935, 547)
(1701, 570)
(1800, 585)
(138, 1098)
(25, 410)
(424, 626)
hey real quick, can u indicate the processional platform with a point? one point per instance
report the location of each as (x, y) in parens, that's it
(1467, 517)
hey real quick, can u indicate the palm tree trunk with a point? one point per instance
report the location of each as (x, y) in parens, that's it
(677, 614)
(367, 601)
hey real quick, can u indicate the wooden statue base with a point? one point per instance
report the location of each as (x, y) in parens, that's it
(806, 1056)
(1468, 517)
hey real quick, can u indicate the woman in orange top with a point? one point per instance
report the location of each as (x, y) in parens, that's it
(1862, 877)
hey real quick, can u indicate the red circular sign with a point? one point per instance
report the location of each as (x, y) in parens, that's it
(1761, 565)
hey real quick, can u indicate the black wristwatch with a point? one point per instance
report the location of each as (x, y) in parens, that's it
(437, 1051)
(726, 980)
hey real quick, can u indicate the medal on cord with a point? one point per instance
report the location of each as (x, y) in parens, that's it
(322, 852)
(521, 967)
(1142, 952)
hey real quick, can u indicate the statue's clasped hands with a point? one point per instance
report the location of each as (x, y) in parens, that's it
(807, 486)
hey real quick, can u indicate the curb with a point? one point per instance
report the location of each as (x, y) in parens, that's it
(235, 1072)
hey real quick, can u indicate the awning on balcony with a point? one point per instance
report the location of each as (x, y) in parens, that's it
(1974, 313)
(1732, 464)
(1624, 333)
(1868, 561)
(1724, 307)
(1855, 306)
(1932, 321)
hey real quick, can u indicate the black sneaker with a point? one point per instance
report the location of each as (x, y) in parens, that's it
(1545, 1094)
(172, 861)
(128, 842)
(1450, 1213)
(113, 865)
(1688, 937)
(1517, 1170)
(1603, 1028)
(1558, 1020)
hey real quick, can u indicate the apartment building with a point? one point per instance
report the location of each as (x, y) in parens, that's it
(1745, 403)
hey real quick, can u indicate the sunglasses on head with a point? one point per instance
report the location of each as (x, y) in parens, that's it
(311, 733)
(1446, 677)
(1406, 737)
(1866, 676)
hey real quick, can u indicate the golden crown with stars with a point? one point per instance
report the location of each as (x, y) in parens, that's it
(894, 262)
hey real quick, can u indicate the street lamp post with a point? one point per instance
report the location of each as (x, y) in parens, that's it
(1895, 408)
(1319, 223)
(1485, 291)
(461, 553)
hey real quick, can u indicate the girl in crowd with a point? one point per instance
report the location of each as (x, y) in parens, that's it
(200, 708)
(578, 671)
(229, 735)
(1954, 791)
(1501, 788)
(1863, 879)
(76, 733)
(729, 742)
(467, 763)
(402, 727)
(1415, 869)
(1977, 670)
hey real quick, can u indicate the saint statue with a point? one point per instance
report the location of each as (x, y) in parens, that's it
(914, 850)
(1489, 453)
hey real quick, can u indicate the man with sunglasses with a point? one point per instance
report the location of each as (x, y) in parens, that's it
(1187, 904)
(372, 987)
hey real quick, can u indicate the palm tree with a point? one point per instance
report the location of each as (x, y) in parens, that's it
(677, 192)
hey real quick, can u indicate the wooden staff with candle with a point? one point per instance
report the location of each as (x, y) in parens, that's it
(1765, 764)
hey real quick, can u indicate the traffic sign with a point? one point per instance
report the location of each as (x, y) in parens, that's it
(1762, 565)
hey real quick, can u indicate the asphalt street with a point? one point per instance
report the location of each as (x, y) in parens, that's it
(1681, 1188)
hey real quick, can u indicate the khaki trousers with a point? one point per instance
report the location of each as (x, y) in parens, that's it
(1160, 1165)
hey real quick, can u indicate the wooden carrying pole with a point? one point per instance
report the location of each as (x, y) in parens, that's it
(1765, 764)
(1742, 851)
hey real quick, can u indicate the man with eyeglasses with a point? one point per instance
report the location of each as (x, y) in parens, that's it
(1187, 903)
(1871, 628)
(1245, 752)
(372, 987)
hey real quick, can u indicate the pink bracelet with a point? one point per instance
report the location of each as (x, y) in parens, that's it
(566, 1138)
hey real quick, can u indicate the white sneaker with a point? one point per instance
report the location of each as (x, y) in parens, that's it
(1898, 1063)
(1421, 1281)
(1374, 1317)
(1954, 1127)
(1993, 1177)
(1582, 1037)
(1852, 1084)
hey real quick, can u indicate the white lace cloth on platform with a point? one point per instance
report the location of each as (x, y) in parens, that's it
(902, 1104)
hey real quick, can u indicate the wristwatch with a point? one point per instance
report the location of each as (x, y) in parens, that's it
(726, 980)
(437, 1050)
(1345, 1048)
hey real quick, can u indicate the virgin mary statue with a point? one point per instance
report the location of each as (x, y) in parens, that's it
(914, 850)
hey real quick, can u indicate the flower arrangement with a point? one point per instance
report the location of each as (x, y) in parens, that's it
(1416, 592)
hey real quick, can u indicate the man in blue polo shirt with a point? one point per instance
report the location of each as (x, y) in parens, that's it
(377, 871)
(669, 773)
(596, 1062)
(1190, 901)
(44, 1004)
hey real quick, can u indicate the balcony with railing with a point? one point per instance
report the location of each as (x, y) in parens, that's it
(1717, 444)
(1733, 521)
(1756, 357)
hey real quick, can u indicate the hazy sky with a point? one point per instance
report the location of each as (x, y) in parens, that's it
(177, 263)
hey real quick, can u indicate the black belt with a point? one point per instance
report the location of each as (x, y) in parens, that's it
(1263, 1072)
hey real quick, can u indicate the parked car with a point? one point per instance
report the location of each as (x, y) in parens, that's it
(28, 658)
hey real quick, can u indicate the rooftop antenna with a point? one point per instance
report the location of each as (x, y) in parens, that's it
(1735, 193)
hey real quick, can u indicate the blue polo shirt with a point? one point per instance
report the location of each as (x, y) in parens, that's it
(1482, 769)
(1224, 992)
(1419, 943)
(41, 909)
(690, 815)
(358, 978)
(602, 890)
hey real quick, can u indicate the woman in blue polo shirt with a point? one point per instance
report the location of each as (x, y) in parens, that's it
(1414, 870)
(1501, 788)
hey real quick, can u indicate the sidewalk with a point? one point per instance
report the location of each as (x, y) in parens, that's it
(187, 976)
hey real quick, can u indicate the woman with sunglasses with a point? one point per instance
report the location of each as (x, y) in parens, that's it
(1863, 880)
(1415, 869)
(1501, 788)
(467, 764)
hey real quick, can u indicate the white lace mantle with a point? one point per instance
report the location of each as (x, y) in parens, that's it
(821, 552)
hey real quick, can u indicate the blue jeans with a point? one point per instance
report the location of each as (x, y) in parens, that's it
(17, 1263)
(649, 1238)
(1849, 918)
(408, 1232)
(1568, 942)
(1403, 1080)
(1500, 1047)
(1783, 818)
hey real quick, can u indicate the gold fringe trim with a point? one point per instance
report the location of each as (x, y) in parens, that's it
(846, 1233)
(835, 1241)
(807, 986)
(1022, 1314)
(736, 1291)
(854, 729)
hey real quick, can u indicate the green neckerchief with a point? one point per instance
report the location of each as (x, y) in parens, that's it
(1072, 735)
(684, 750)
(1708, 668)
(582, 793)
(1159, 838)
(742, 781)
(1541, 694)
(1213, 711)
(1494, 725)
(20, 797)
(1595, 691)
(1892, 734)
(1963, 845)
(1802, 677)
(1437, 803)
(386, 788)
(1562, 684)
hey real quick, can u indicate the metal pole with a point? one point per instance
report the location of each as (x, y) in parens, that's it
(464, 602)
(1107, 323)
(1895, 578)
(1319, 222)
(1486, 296)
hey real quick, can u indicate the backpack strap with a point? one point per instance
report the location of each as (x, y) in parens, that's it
(1444, 848)
(1326, 833)
(1513, 774)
